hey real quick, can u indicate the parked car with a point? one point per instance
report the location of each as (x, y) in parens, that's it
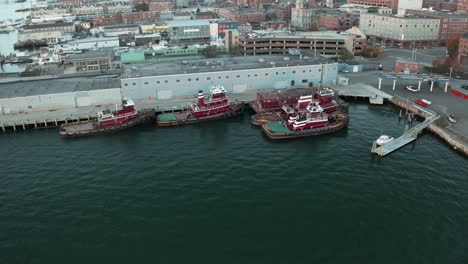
(426, 101)
(420, 102)
(411, 88)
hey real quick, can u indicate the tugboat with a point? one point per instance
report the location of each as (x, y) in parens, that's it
(216, 106)
(109, 121)
(326, 97)
(307, 118)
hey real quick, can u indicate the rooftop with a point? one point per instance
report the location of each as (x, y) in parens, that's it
(309, 34)
(186, 23)
(121, 26)
(400, 17)
(51, 86)
(438, 13)
(48, 25)
(217, 64)
(93, 40)
(91, 54)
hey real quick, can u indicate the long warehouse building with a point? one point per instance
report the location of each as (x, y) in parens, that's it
(236, 74)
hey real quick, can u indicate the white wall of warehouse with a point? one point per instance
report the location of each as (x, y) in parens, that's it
(234, 81)
(59, 101)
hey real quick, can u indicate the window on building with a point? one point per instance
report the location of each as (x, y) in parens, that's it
(238, 76)
(146, 83)
(227, 77)
(248, 75)
(208, 78)
(189, 79)
(197, 79)
(158, 82)
(134, 83)
(177, 80)
(304, 81)
(165, 81)
(277, 73)
(294, 72)
(126, 84)
(266, 74)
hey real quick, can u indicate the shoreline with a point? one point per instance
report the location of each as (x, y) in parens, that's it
(460, 145)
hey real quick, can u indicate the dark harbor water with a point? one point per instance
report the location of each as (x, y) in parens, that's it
(222, 192)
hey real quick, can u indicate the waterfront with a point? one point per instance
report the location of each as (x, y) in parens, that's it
(222, 192)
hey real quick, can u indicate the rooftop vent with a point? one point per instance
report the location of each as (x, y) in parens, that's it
(184, 62)
(261, 60)
(286, 58)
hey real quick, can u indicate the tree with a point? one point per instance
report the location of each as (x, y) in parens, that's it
(142, 7)
(345, 54)
(210, 52)
(371, 52)
(452, 46)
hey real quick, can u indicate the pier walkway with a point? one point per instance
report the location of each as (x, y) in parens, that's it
(364, 91)
(407, 137)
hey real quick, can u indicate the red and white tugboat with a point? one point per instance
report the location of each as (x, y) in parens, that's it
(109, 121)
(326, 98)
(306, 118)
(216, 106)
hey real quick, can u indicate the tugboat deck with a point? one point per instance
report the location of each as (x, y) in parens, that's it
(277, 127)
(79, 127)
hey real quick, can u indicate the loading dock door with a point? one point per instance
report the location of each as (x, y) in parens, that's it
(164, 94)
(239, 87)
(280, 84)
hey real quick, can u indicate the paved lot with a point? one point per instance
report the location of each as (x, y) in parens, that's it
(390, 55)
(442, 103)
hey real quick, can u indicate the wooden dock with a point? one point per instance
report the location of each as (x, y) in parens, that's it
(407, 137)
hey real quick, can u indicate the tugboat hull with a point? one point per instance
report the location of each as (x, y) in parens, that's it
(276, 130)
(89, 128)
(176, 119)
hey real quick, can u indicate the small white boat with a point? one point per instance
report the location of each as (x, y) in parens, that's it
(384, 139)
(451, 118)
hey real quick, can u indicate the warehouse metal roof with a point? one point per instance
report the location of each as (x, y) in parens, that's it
(219, 64)
(52, 86)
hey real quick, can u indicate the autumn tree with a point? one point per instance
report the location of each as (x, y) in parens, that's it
(452, 46)
(371, 52)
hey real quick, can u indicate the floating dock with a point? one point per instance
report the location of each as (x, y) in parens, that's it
(407, 137)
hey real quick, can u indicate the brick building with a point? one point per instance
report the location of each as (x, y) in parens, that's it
(338, 21)
(463, 48)
(138, 17)
(406, 67)
(107, 19)
(451, 25)
(241, 15)
(160, 6)
(386, 3)
(462, 6)
(273, 24)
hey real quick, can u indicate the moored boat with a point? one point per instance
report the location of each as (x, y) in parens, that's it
(216, 106)
(384, 139)
(109, 121)
(306, 118)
